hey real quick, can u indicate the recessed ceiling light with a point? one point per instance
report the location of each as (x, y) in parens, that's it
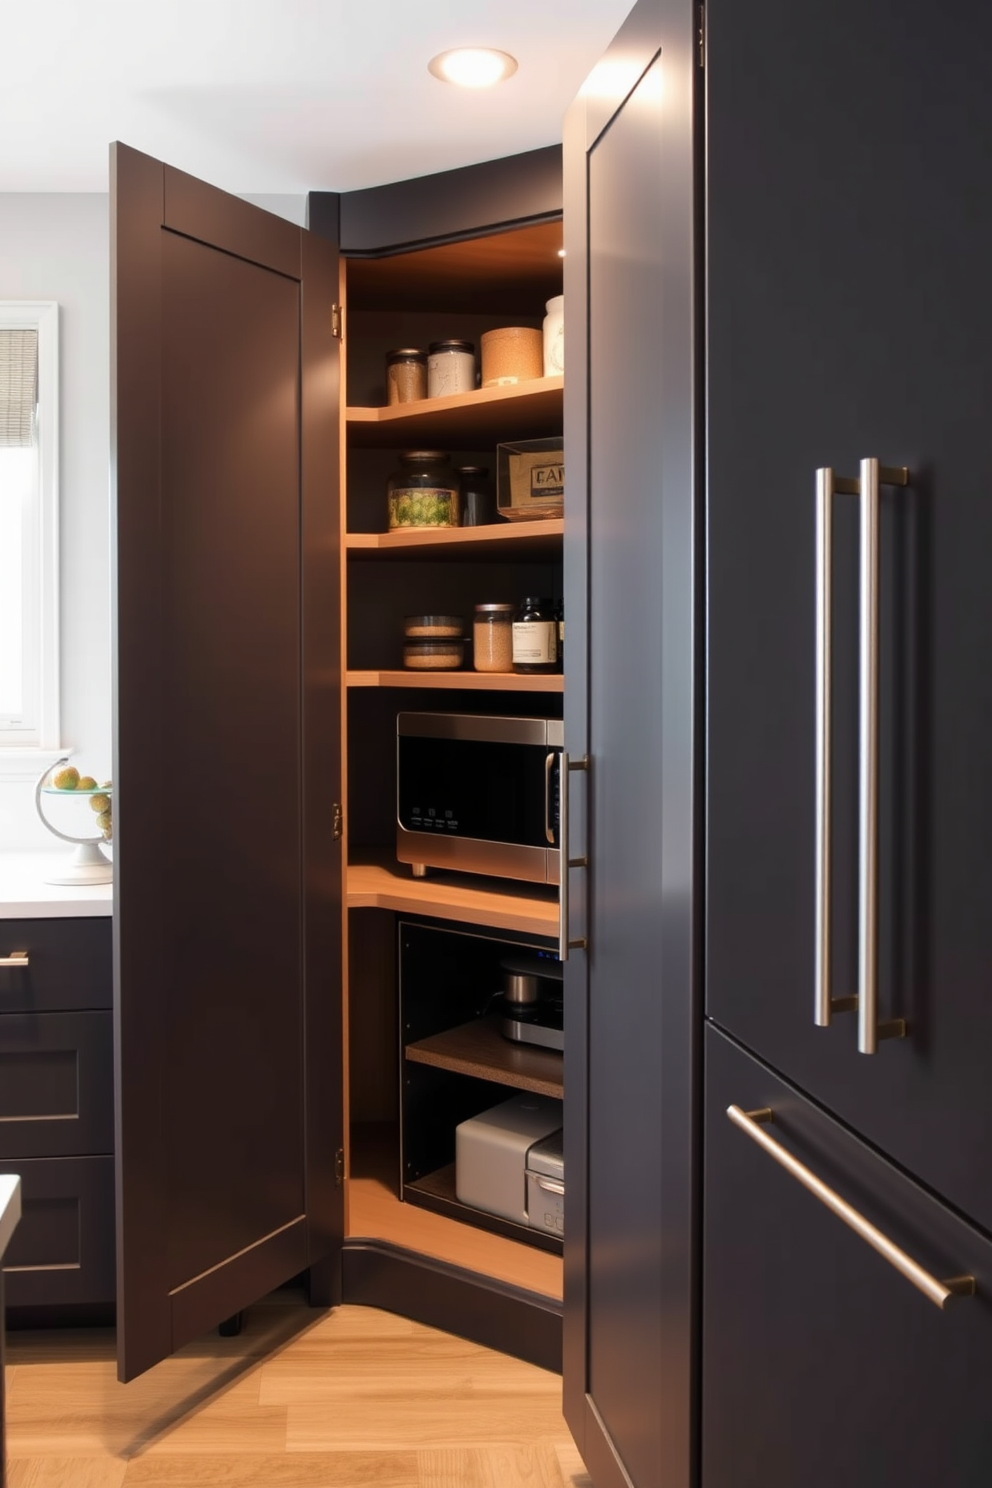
(472, 67)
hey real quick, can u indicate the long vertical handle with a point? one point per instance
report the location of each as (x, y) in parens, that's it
(827, 486)
(824, 575)
(566, 765)
(870, 1030)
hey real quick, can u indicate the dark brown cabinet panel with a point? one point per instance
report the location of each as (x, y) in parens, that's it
(68, 965)
(62, 1252)
(822, 1364)
(227, 938)
(56, 1084)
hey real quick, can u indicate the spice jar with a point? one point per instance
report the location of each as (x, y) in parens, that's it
(535, 637)
(406, 375)
(492, 638)
(423, 492)
(450, 368)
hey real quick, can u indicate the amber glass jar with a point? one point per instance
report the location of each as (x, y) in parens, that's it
(535, 637)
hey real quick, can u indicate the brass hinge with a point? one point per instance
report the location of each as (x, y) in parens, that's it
(337, 822)
(339, 1167)
(336, 322)
(701, 37)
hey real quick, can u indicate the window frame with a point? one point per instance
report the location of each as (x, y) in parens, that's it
(22, 750)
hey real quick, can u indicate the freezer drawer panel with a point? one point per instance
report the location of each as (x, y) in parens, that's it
(823, 1362)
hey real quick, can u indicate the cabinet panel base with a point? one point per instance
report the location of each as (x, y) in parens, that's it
(493, 1313)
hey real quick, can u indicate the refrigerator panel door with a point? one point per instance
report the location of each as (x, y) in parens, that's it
(849, 316)
(822, 1363)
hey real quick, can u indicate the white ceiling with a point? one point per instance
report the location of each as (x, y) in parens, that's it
(281, 96)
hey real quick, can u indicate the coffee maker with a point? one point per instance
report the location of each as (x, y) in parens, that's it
(533, 1008)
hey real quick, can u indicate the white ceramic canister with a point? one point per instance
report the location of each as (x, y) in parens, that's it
(554, 337)
(450, 368)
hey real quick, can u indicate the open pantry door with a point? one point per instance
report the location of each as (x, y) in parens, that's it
(227, 768)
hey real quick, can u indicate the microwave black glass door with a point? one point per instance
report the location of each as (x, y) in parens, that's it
(493, 792)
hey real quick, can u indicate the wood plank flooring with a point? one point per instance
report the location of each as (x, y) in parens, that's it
(343, 1399)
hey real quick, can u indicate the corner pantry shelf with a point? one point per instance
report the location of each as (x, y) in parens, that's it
(376, 881)
(463, 420)
(459, 681)
(480, 1050)
(539, 540)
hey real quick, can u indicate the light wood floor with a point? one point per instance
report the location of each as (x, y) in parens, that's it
(300, 1399)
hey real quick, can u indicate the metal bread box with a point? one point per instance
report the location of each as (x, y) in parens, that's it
(491, 1155)
(546, 1185)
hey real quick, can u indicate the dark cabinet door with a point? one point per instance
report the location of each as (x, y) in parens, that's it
(849, 236)
(822, 1363)
(630, 705)
(227, 907)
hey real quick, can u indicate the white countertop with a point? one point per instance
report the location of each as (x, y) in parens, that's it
(10, 1210)
(24, 894)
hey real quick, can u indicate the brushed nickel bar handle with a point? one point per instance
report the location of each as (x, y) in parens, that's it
(16, 958)
(566, 765)
(827, 486)
(870, 1031)
(940, 1293)
(549, 1185)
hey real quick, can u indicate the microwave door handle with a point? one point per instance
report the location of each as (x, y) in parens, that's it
(549, 765)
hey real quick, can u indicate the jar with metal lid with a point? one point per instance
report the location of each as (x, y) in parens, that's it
(450, 368)
(423, 492)
(406, 375)
(535, 637)
(492, 637)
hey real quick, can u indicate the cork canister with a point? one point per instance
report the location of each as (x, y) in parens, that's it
(512, 354)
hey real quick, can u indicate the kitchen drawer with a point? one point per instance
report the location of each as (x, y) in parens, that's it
(56, 1084)
(69, 965)
(821, 1363)
(62, 1252)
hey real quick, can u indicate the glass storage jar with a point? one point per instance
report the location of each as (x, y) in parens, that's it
(492, 638)
(535, 637)
(423, 492)
(406, 375)
(450, 368)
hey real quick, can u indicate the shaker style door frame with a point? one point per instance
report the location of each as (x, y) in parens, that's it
(633, 705)
(227, 768)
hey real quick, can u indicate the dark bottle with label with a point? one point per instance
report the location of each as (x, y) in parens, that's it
(535, 637)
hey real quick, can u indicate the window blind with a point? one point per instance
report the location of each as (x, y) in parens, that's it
(18, 387)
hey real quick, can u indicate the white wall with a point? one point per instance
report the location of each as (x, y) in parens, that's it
(56, 247)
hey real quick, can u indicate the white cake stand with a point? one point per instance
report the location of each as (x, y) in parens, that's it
(88, 864)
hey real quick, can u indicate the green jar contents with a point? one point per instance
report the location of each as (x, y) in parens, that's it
(535, 637)
(423, 492)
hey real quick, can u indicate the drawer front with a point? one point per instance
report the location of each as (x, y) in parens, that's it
(822, 1364)
(62, 1252)
(69, 965)
(56, 1084)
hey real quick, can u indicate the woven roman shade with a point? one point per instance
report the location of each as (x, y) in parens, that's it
(18, 387)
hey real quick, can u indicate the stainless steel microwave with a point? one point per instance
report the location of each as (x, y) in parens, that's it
(478, 794)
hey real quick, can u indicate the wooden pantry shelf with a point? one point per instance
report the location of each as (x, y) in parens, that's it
(437, 1191)
(479, 1049)
(376, 881)
(537, 540)
(459, 681)
(472, 420)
